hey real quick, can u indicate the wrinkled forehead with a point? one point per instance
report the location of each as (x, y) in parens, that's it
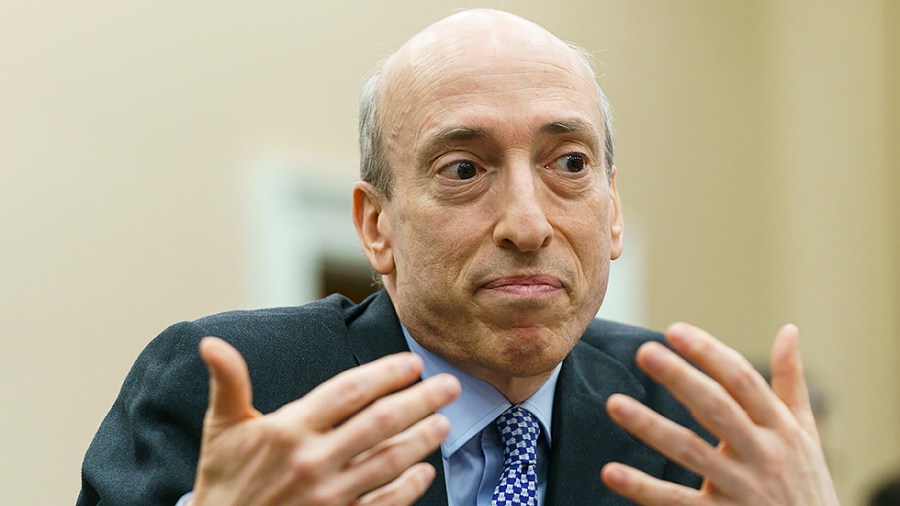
(477, 43)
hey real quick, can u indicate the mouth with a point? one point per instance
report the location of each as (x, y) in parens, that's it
(537, 284)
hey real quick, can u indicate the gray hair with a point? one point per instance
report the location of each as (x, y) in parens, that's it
(373, 163)
(609, 145)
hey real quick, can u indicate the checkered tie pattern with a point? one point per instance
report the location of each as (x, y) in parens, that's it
(518, 482)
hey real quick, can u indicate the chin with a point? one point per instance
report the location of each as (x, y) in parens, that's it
(534, 350)
(529, 366)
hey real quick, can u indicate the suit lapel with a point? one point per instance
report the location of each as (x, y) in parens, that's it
(584, 437)
(374, 331)
(373, 328)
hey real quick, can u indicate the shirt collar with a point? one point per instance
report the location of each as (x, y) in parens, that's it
(479, 403)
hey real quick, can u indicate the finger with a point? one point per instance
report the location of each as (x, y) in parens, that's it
(408, 487)
(730, 369)
(788, 382)
(646, 490)
(343, 395)
(674, 441)
(230, 395)
(392, 414)
(707, 400)
(389, 459)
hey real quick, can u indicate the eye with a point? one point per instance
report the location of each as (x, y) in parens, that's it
(461, 170)
(572, 163)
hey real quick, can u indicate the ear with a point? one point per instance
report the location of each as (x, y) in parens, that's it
(616, 222)
(373, 225)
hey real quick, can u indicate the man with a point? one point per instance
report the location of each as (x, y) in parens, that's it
(489, 207)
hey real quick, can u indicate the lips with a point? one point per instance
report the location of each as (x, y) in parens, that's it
(525, 283)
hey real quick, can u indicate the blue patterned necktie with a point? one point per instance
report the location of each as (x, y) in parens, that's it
(518, 482)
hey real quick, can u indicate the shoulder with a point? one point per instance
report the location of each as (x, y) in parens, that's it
(323, 316)
(614, 345)
(618, 339)
(253, 330)
(308, 343)
(273, 327)
(611, 343)
(606, 353)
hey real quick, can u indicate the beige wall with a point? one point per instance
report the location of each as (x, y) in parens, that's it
(757, 156)
(892, 120)
(831, 190)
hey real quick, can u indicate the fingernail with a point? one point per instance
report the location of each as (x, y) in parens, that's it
(411, 363)
(679, 335)
(622, 409)
(680, 327)
(448, 384)
(652, 354)
(441, 425)
(615, 474)
(620, 405)
(426, 474)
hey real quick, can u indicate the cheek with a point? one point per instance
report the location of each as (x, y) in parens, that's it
(436, 246)
(588, 233)
(594, 255)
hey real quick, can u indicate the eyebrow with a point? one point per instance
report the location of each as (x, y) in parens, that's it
(447, 138)
(568, 126)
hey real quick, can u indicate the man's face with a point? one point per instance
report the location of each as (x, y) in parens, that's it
(502, 223)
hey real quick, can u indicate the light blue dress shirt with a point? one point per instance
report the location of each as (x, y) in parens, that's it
(473, 451)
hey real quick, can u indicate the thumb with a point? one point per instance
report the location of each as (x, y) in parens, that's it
(788, 382)
(230, 396)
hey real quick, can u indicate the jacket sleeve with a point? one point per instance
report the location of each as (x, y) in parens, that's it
(146, 449)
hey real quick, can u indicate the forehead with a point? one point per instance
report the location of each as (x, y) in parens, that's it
(487, 77)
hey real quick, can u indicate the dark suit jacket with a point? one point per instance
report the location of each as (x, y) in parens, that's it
(146, 449)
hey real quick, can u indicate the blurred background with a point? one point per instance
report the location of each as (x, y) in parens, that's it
(166, 160)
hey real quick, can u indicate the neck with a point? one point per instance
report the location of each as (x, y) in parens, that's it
(515, 389)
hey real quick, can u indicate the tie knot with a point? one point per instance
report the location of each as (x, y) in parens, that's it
(519, 430)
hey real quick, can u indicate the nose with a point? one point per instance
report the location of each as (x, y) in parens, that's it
(522, 223)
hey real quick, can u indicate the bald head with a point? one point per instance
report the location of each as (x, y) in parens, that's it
(472, 42)
(473, 39)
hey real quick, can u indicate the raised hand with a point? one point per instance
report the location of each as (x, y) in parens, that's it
(769, 451)
(356, 439)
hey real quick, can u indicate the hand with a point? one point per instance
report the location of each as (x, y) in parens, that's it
(355, 439)
(769, 451)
